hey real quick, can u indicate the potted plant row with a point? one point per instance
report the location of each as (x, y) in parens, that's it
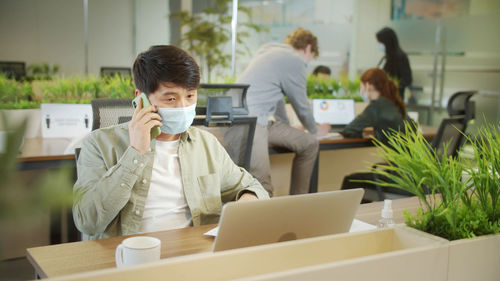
(28, 95)
(342, 88)
(460, 197)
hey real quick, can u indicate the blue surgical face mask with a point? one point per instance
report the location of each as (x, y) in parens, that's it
(363, 96)
(176, 120)
(381, 47)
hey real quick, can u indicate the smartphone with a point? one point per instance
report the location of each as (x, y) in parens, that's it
(155, 131)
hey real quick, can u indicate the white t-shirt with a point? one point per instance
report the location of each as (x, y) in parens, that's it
(166, 206)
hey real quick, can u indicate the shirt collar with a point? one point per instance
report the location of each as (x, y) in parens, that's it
(188, 135)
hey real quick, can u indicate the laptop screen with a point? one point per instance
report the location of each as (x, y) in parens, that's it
(333, 111)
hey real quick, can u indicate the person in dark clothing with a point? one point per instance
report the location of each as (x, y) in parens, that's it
(396, 61)
(386, 110)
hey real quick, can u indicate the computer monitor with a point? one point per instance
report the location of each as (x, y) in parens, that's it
(237, 92)
(107, 71)
(244, 224)
(13, 69)
(333, 111)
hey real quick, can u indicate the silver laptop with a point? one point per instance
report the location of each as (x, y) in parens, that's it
(244, 224)
(333, 111)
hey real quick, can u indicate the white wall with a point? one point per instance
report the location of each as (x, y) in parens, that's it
(110, 31)
(36, 31)
(372, 15)
(152, 23)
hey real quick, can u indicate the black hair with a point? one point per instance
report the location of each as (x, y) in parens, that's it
(322, 69)
(393, 51)
(163, 64)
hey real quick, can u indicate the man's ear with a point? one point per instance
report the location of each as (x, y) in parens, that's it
(137, 92)
(308, 48)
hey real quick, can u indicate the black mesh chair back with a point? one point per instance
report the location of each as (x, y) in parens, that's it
(108, 112)
(112, 71)
(451, 132)
(237, 137)
(459, 104)
(13, 70)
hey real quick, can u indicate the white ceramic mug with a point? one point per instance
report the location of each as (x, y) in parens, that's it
(137, 250)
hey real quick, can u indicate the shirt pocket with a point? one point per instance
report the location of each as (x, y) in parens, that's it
(209, 186)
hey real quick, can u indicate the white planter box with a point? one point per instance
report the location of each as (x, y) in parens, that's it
(400, 253)
(16, 116)
(475, 259)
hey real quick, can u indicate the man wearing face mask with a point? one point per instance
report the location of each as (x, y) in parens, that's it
(276, 71)
(129, 183)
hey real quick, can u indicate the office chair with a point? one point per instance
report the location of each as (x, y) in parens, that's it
(236, 137)
(450, 131)
(112, 71)
(108, 112)
(13, 69)
(458, 104)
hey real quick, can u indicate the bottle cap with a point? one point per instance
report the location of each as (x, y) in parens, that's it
(387, 211)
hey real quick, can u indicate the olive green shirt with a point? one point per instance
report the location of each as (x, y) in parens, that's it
(381, 114)
(113, 181)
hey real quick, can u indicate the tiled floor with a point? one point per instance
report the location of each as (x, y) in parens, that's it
(16, 269)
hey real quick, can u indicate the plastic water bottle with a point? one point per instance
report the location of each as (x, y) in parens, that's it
(387, 218)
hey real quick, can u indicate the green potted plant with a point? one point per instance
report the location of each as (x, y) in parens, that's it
(17, 101)
(460, 199)
(25, 200)
(206, 34)
(318, 88)
(71, 90)
(116, 87)
(41, 71)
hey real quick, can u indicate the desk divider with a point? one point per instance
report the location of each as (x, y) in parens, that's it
(388, 254)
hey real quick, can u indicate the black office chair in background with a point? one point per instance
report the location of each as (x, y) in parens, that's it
(108, 112)
(450, 131)
(13, 69)
(236, 137)
(460, 104)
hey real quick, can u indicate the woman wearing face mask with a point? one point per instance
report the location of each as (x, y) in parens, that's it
(386, 109)
(396, 63)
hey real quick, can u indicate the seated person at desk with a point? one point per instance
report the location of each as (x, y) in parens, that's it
(128, 183)
(322, 72)
(386, 110)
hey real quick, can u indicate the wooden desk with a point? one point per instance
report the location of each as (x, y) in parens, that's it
(344, 143)
(40, 150)
(40, 153)
(341, 142)
(70, 258)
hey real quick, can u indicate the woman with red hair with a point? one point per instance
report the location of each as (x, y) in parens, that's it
(386, 110)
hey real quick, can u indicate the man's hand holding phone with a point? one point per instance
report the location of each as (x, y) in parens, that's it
(143, 120)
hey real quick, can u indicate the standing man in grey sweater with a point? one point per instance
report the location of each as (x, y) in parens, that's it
(276, 71)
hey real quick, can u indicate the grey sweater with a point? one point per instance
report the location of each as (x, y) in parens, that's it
(277, 71)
